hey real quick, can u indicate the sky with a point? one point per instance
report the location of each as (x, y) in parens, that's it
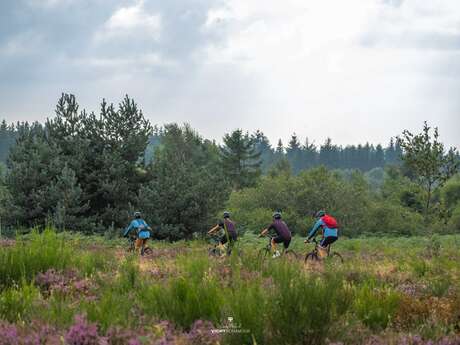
(356, 71)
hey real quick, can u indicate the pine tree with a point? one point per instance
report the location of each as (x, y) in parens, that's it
(262, 145)
(240, 159)
(294, 154)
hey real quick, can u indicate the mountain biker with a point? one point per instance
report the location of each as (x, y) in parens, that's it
(139, 229)
(330, 229)
(229, 230)
(283, 235)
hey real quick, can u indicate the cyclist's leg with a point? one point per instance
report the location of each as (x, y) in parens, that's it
(276, 240)
(286, 243)
(138, 244)
(223, 240)
(327, 241)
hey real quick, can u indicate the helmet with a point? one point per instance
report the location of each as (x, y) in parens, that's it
(226, 214)
(137, 214)
(277, 215)
(320, 214)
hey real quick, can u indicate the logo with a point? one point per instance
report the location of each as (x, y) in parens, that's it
(230, 327)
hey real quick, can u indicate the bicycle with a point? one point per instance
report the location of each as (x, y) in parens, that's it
(132, 246)
(219, 250)
(267, 250)
(313, 256)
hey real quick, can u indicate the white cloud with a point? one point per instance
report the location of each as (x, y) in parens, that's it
(344, 69)
(353, 70)
(133, 21)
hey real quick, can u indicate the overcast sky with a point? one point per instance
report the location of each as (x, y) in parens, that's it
(354, 70)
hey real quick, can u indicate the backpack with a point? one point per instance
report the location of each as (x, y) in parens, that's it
(330, 221)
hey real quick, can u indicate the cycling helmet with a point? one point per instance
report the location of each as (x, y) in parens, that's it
(277, 215)
(320, 214)
(137, 214)
(226, 214)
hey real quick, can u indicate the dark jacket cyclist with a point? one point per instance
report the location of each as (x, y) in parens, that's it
(228, 227)
(283, 234)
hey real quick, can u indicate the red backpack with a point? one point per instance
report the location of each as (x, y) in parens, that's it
(330, 221)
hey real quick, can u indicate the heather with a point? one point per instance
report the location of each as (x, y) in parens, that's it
(89, 290)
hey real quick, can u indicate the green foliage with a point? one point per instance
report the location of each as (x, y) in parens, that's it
(187, 185)
(427, 160)
(73, 170)
(450, 192)
(304, 308)
(240, 160)
(376, 307)
(300, 197)
(192, 296)
(17, 302)
(454, 221)
(39, 253)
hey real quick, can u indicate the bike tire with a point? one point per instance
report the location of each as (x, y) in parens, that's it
(263, 254)
(336, 257)
(290, 254)
(311, 257)
(148, 251)
(214, 252)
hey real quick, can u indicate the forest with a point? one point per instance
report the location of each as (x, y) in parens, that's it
(88, 172)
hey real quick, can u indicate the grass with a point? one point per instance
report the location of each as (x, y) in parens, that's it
(386, 286)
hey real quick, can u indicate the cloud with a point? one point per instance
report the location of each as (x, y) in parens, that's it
(132, 22)
(352, 70)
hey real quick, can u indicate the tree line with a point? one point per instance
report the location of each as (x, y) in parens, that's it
(300, 156)
(89, 172)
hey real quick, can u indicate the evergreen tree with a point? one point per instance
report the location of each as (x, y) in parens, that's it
(34, 164)
(309, 155)
(187, 185)
(262, 145)
(294, 154)
(240, 159)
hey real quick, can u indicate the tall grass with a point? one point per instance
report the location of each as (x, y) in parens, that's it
(37, 254)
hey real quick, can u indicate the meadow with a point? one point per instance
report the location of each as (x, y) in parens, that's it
(62, 288)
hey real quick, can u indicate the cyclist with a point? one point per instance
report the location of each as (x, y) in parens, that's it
(139, 229)
(283, 235)
(330, 229)
(229, 230)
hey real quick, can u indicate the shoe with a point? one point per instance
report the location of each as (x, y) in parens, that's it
(277, 254)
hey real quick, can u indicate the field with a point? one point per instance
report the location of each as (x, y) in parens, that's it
(72, 289)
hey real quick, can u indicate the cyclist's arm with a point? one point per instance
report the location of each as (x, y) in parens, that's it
(128, 229)
(214, 229)
(315, 228)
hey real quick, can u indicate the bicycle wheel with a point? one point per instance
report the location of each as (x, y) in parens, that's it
(263, 254)
(311, 257)
(290, 254)
(336, 257)
(148, 251)
(214, 252)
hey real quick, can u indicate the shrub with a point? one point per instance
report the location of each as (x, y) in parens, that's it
(17, 302)
(82, 333)
(454, 221)
(376, 307)
(38, 253)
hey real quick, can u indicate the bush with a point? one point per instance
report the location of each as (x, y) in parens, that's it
(376, 307)
(450, 192)
(385, 217)
(16, 303)
(454, 221)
